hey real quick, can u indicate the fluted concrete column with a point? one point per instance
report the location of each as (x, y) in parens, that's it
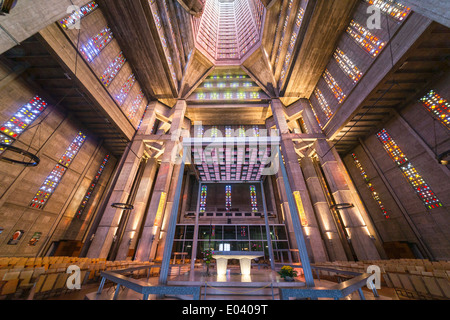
(155, 214)
(298, 185)
(109, 223)
(129, 240)
(158, 245)
(328, 227)
(354, 219)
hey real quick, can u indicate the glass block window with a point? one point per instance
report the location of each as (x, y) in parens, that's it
(53, 179)
(365, 39)
(5, 140)
(256, 132)
(241, 132)
(74, 18)
(438, 106)
(323, 103)
(228, 197)
(228, 132)
(347, 65)
(200, 131)
(214, 132)
(334, 86)
(392, 8)
(203, 195)
(111, 72)
(48, 187)
(94, 46)
(421, 188)
(91, 188)
(20, 121)
(315, 115)
(135, 105)
(254, 201)
(369, 185)
(123, 94)
(72, 150)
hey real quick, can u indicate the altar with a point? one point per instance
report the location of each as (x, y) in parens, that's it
(245, 259)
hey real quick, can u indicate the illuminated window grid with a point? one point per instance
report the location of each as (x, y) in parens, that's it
(253, 199)
(241, 132)
(347, 65)
(334, 86)
(135, 105)
(72, 150)
(392, 8)
(228, 95)
(201, 96)
(256, 132)
(323, 103)
(369, 185)
(228, 132)
(315, 115)
(366, 40)
(422, 189)
(95, 45)
(113, 69)
(438, 106)
(125, 90)
(203, 196)
(5, 140)
(200, 131)
(53, 179)
(91, 188)
(293, 40)
(214, 132)
(283, 32)
(241, 95)
(75, 17)
(228, 197)
(25, 116)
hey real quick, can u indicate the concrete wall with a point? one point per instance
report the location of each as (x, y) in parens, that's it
(418, 144)
(19, 185)
(91, 25)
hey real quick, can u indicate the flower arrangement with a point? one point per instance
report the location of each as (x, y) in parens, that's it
(207, 256)
(287, 273)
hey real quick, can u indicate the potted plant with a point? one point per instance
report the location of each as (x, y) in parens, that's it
(288, 273)
(207, 257)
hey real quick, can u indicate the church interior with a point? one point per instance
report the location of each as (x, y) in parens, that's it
(152, 149)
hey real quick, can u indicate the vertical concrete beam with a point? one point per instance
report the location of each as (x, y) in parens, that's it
(129, 240)
(104, 235)
(155, 215)
(297, 182)
(356, 220)
(328, 227)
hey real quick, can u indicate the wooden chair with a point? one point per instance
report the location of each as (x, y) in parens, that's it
(432, 286)
(9, 288)
(444, 284)
(12, 275)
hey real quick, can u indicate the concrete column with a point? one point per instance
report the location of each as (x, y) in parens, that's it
(109, 223)
(129, 240)
(298, 185)
(328, 227)
(155, 214)
(158, 244)
(356, 221)
(149, 119)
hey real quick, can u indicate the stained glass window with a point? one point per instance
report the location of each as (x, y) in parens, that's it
(113, 69)
(347, 65)
(253, 199)
(53, 179)
(392, 8)
(438, 106)
(228, 132)
(366, 40)
(126, 89)
(203, 195)
(19, 122)
(214, 132)
(91, 188)
(5, 140)
(94, 46)
(369, 185)
(135, 105)
(422, 189)
(323, 103)
(334, 86)
(75, 17)
(228, 197)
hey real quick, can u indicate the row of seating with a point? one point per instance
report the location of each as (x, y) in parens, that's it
(411, 278)
(50, 278)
